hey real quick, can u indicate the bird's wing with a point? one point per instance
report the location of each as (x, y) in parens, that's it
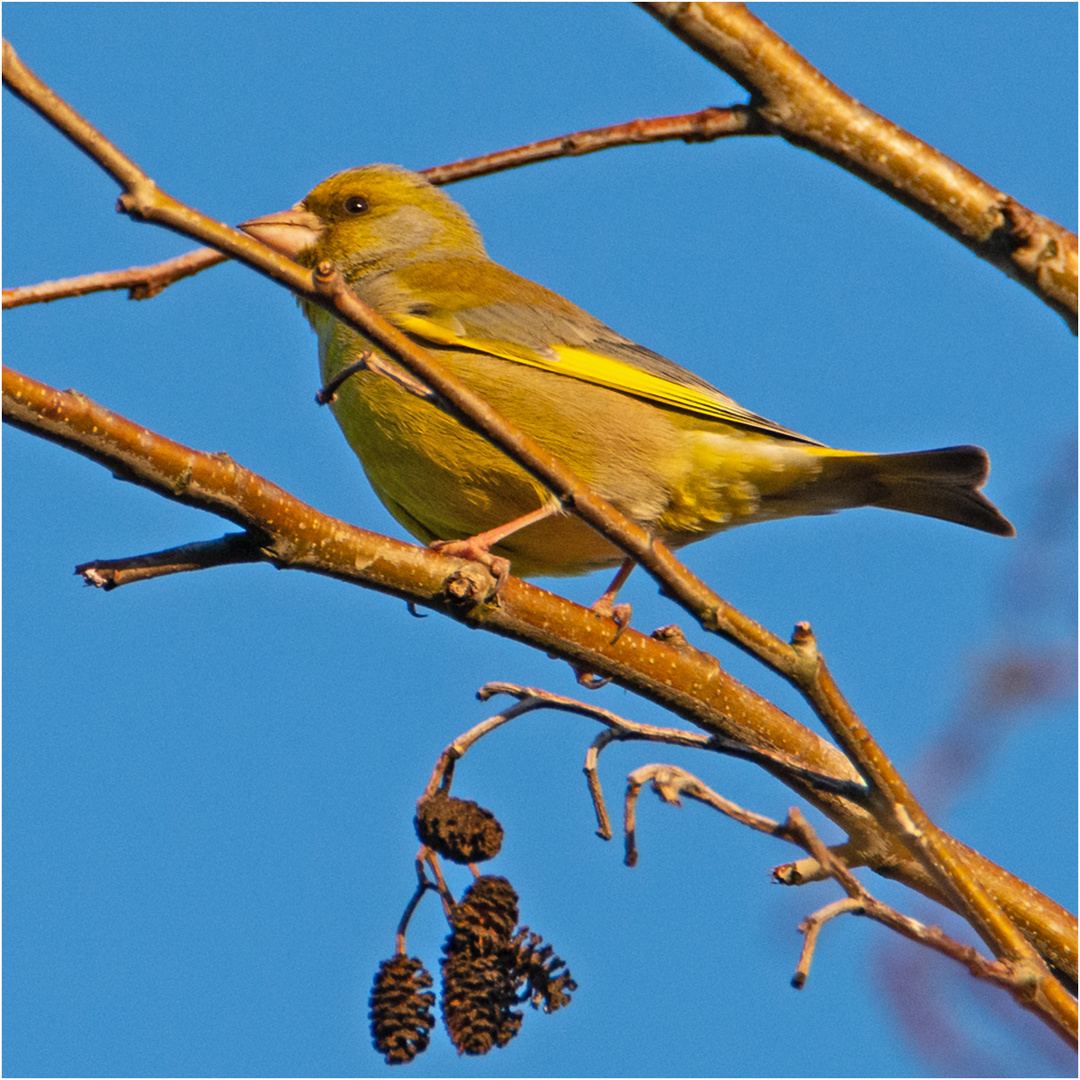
(582, 349)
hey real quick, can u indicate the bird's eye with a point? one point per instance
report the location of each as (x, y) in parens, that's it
(355, 204)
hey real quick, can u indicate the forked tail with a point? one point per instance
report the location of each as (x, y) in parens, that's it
(936, 483)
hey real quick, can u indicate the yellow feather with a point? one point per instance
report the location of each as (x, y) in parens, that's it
(599, 370)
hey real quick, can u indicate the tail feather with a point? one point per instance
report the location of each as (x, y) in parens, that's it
(936, 483)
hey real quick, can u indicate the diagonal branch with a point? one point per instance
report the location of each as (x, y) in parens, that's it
(145, 282)
(800, 104)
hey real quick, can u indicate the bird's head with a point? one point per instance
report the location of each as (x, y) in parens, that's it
(367, 219)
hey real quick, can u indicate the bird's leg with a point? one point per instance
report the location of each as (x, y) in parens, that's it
(618, 613)
(606, 604)
(478, 548)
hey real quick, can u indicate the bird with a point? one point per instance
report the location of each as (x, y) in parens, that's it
(663, 446)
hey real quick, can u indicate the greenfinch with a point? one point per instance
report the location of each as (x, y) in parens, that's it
(659, 443)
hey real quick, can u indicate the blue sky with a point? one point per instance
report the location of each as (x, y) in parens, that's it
(209, 780)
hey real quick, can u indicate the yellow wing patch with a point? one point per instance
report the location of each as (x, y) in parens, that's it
(600, 370)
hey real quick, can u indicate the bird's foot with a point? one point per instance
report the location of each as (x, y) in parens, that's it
(475, 550)
(620, 614)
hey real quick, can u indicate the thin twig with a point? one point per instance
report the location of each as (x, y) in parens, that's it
(144, 282)
(671, 782)
(596, 791)
(227, 550)
(422, 887)
(811, 926)
(703, 126)
(426, 855)
(623, 730)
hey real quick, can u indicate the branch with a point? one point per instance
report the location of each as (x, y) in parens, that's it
(109, 574)
(704, 126)
(671, 782)
(145, 282)
(142, 282)
(899, 811)
(292, 535)
(933, 863)
(797, 830)
(797, 102)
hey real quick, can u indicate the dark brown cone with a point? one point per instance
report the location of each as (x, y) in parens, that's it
(400, 1012)
(479, 986)
(458, 829)
(538, 966)
(487, 914)
(478, 992)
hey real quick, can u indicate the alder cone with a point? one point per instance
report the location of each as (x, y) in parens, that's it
(400, 1013)
(458, 829)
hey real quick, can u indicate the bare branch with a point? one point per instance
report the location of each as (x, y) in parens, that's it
(1045, 997)
(704, 126)
(670, 783)
(142, 282)
(228, 550)
(811, 926)
(803, 106)
(145, 282)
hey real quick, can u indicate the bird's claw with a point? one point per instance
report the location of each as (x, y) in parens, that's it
(620, 614)
(468, 549)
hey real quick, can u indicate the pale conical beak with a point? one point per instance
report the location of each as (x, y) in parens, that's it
(291, 232)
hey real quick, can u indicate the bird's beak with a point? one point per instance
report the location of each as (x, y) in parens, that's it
(291, 232)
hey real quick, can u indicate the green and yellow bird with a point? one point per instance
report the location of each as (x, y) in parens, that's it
(668, 450)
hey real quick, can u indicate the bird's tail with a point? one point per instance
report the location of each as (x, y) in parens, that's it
(936, 483)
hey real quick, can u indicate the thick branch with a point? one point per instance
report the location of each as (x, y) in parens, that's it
(684, 680)
(803, 106)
